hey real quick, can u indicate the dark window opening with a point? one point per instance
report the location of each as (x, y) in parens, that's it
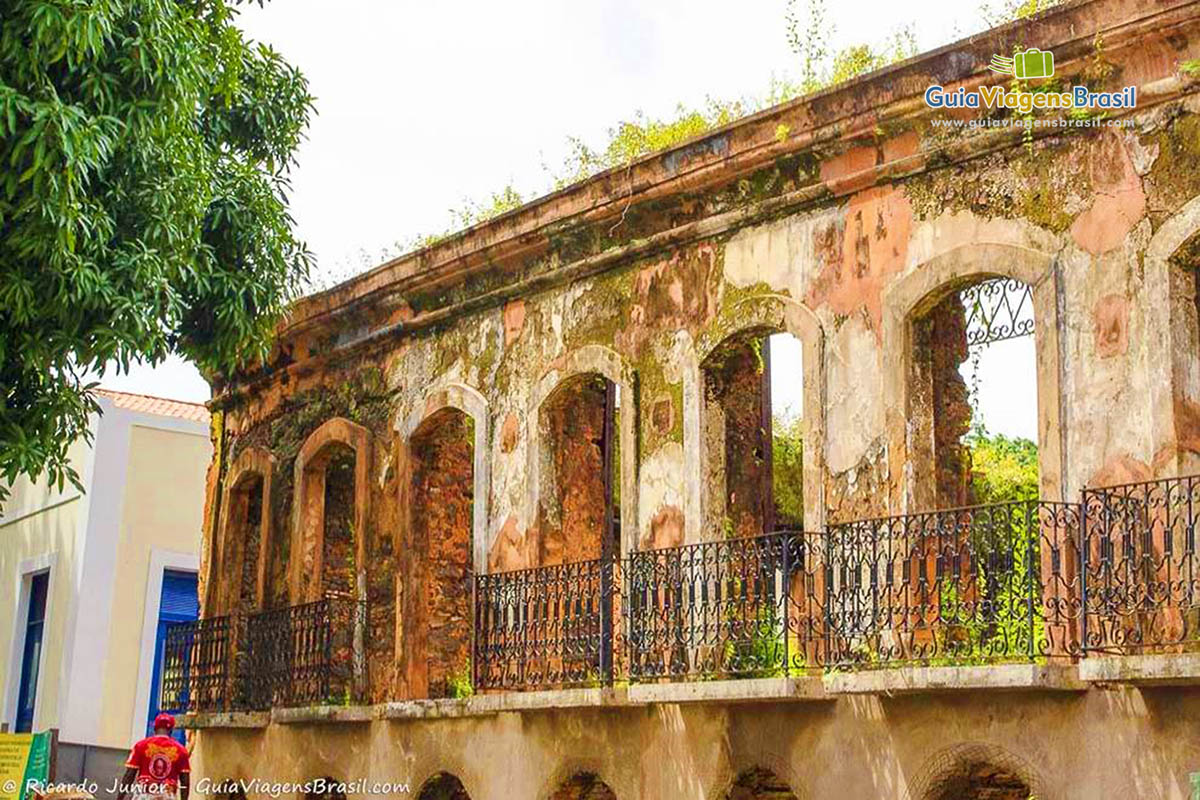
(31, 655)
(753, 435)
(442, 514)
(443, 786)
(579, 511)
(339, 572)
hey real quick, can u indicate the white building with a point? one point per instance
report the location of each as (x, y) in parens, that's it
(89, 579)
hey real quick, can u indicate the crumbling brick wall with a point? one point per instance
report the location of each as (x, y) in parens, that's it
(443, 786)
(442, 497)
(940, 404)
(584, 786)
(737, 438)
(759, 784)
(572, 518)
(980, 781)
(249, 532)
(339, 573)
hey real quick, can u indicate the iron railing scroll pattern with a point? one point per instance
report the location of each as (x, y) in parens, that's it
(1141, 569)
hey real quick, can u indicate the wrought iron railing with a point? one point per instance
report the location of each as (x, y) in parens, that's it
(748, 607)
(547, 627)
(1024, 581)
(304, 655)
(1141, 568)
(195, 672)
(983, 584)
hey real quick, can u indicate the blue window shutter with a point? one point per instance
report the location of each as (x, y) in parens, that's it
(179, 599)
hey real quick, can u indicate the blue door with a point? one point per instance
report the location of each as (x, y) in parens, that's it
(31, 655)
(179, 603)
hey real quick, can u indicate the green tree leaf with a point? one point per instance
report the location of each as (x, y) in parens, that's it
(143, 210)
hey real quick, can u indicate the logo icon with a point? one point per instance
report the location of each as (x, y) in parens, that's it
(1033, 63)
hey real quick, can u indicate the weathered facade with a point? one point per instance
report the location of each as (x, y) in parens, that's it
(574, 384)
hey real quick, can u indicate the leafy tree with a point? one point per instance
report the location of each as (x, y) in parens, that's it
(143, 204)
(787, 471)
(1003, 469)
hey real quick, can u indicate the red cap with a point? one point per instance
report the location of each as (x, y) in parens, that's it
(164, 720)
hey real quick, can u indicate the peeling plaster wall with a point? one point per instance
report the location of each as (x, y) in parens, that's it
(891, 215)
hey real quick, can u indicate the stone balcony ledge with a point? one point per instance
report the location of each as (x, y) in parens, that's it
(322, 714)
(223, 719)
(918, 680)
(746, 690)
(904, 680)
(1158, 669)
(500, 702)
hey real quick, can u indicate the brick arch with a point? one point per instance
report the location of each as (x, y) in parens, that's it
(975, 765)
(579, 783)
(424, 653)
(330, 790)
(443, 785)
(253, 462)
(740, 763)
(1174, 381)
(472, 403)
(909, 297)
(606, 362)
(309, 477)
(757, 782)
(779, 314)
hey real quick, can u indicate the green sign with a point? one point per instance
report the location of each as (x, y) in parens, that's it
(24, 758)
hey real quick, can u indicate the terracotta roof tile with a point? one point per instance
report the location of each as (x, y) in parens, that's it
(196, 412)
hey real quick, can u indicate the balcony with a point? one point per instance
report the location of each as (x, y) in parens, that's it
(310, 654)
(1022, 586)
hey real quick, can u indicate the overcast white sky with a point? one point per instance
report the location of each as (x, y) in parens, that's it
(422, 105)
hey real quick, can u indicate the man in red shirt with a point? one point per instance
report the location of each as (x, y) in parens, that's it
(158, 765)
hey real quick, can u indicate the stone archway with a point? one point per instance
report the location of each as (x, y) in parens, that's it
(346, 447)
(583, 786)
(244, 546)
(589, 361)
(757, 314)
(909, 299)
(976, 771)
(759, 783)
(443, 786)
(440, 511)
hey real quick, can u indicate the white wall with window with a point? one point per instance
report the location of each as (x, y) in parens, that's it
(87, 578)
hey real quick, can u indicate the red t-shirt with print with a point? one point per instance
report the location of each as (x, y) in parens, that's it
(159, 760)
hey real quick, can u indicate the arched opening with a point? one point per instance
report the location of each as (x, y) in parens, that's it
(243, 541)
(278, 552)
(339, 575)
(443, 786)
(584, 786)
(340, 617)
(981, 781)
(973, 405)
(579, 513)
(975, 771)
(442, 508)
(758, 783)
(752, 434)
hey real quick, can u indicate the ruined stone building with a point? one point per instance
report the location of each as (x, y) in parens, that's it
(498, 518)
